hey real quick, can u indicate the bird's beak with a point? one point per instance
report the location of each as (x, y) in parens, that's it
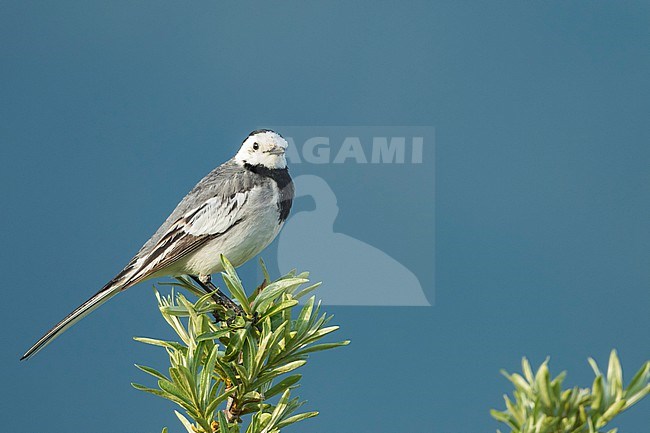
(276, 150)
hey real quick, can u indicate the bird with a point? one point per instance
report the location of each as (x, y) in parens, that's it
(236, 211)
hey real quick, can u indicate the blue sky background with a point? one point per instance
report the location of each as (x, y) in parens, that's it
(111, 111)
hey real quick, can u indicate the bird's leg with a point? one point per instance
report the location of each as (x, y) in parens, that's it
(206, 289)
(205, 281)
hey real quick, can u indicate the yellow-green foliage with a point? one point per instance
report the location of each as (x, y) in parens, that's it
(222, 371)
(541, 405)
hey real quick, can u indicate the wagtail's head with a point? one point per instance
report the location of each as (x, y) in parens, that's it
(263, 147)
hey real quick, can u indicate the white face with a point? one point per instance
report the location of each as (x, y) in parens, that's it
(263, 148)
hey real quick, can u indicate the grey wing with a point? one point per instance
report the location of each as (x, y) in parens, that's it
(224, 181)
(210, 220)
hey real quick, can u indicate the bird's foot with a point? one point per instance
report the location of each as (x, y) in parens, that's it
(205, 281)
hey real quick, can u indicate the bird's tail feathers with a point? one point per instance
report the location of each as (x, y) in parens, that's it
(108, 291)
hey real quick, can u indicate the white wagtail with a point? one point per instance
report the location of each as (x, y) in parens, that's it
(236, 210)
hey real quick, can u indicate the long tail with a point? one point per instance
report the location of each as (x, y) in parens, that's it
(107, 292)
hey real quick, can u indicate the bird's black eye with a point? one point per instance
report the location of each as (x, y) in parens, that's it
(256, 146)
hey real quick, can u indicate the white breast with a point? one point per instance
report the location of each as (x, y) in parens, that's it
(258, 227)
